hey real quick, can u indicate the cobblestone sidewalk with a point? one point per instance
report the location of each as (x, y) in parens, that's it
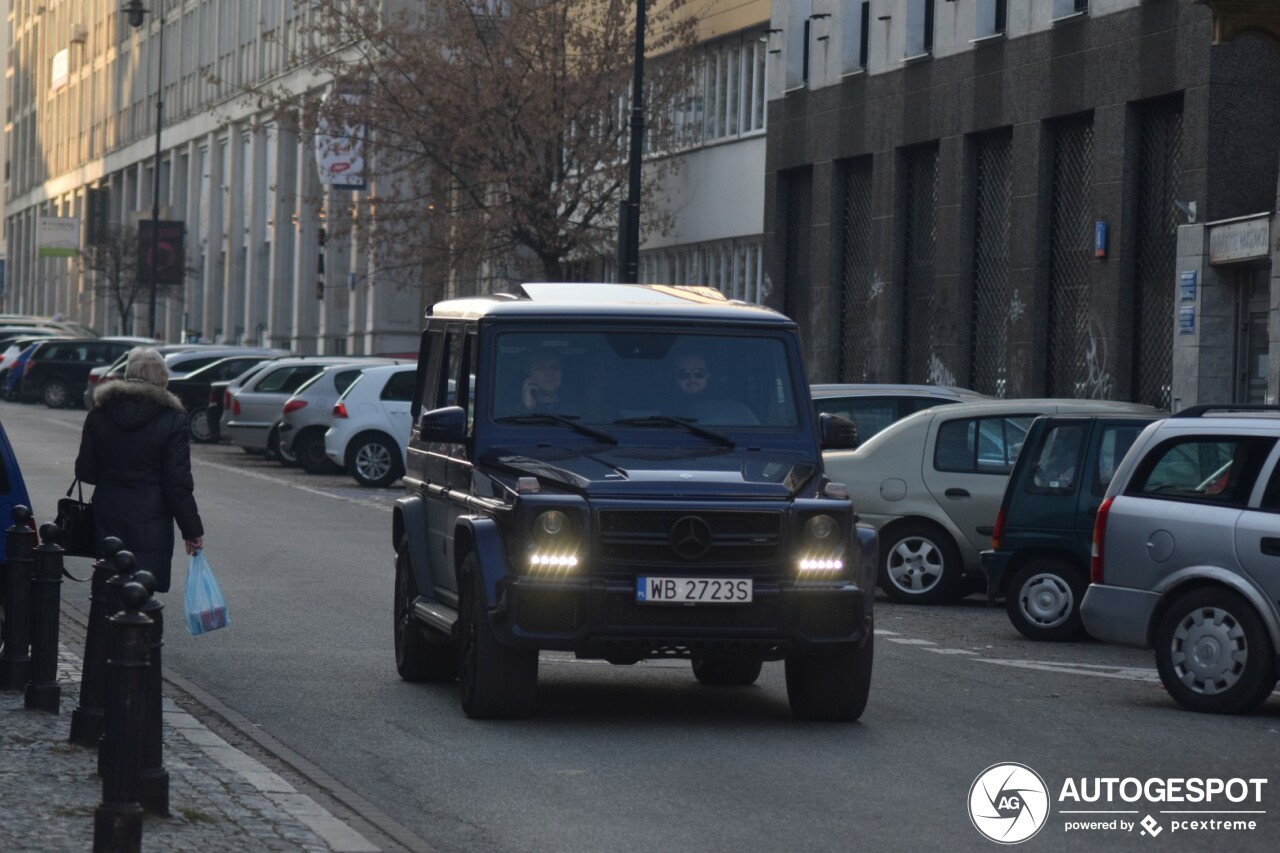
(221, 799)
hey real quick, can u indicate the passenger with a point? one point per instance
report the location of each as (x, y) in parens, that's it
(692, 376)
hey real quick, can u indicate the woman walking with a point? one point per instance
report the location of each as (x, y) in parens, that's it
(134, 449)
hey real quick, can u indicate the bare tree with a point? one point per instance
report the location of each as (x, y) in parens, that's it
(494, 133)
(114, 272)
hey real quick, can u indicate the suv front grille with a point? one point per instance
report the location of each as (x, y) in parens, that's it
(690, 537)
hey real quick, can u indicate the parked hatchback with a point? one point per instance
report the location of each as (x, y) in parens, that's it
(193, 390)
(57, 372)
(872, 406)
(370, 432)
(255, 409)
(1039, 556)
(308, 414)
(1186, 556)
(932, 483)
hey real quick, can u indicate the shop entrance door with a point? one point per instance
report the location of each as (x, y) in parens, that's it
(1252, 340)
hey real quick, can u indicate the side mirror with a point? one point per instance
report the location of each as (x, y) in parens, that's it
(443, 426)
(837, 433)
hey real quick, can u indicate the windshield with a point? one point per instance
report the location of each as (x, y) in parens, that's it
(643, 379)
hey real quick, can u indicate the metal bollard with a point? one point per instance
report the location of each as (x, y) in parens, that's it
(117, 822)
(125, 565)
(15, 660)
(86, 719)
(43, 691)
(153, 780)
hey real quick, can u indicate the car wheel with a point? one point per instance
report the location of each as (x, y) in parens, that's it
(56, 394)
(418, 658)
(1044, 599)
(919, 564)
(496, 682)
(199, 427)
(374, 460)
(309, 447)
(1213, 652)
(726, 670)
(287, 458)
(832, 688)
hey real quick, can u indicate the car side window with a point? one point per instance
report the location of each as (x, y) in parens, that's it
(1271, 495)
(285, 380)
(871, 414)
(454, 340)
(1203, 468)
(980, 445)
(343, 379)
(399, 387)
(1112, 447)
(1056, 467)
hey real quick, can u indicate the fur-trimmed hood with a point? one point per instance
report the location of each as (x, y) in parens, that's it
(132, 404)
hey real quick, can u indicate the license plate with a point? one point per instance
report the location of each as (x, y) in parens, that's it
(693, 590)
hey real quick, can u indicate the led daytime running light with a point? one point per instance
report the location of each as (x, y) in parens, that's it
(812, 565)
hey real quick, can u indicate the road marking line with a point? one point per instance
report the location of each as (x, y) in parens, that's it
(951, 651)
(1125, 673)
(905, 641)
(284, 481)
(75, 427)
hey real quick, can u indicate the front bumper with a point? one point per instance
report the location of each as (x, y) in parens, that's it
(1118, 614)
(599, 618)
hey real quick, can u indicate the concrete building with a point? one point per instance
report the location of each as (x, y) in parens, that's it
(1043, 197)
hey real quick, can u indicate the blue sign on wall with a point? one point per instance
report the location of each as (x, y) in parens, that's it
(1187, 285)
(1187, 320)
(1100, 238)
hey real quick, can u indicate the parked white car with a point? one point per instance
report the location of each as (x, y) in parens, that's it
(371, 423)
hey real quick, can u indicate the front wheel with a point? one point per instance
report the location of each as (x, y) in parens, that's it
(919, 564)
(56, 394)
(417, 658)
(1044, 600)
(497, 682)
(726, 671)
(199, 426)
(374, 460)
(1214, 654)
(830, 688)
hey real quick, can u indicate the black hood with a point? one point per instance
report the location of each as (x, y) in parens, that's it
(668, 471)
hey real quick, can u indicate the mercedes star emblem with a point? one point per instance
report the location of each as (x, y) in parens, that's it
(690, 537)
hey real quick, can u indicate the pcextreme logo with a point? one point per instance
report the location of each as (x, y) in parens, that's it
(1008, 803)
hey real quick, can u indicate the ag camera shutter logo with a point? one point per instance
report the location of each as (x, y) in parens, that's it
(1008, 803)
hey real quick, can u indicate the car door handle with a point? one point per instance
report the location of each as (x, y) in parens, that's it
(1271, 546)
(957, 493)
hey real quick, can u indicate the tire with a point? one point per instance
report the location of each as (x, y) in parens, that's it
(1213, 652)
(56, 394)
(726, 670)
(496, 682)
(309, 446)
(202, 432)
(1044, 599)
(286, 458)
(417, 657)
(920, 564)
(374, 460)
(830, 688)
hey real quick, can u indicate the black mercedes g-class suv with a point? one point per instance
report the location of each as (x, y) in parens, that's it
(625, 472)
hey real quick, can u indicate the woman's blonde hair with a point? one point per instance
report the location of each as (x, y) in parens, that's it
(145, 364)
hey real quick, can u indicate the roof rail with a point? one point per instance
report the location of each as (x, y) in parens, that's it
(1203, 409)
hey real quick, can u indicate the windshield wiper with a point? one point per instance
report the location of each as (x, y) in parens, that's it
(570, 421)
(686, 423)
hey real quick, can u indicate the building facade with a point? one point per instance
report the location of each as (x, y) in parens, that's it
(1016, 196)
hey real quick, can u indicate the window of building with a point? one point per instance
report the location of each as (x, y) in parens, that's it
(796, 33)
(919, 28)
(854, 44)
(991, 18)
(1069, 8)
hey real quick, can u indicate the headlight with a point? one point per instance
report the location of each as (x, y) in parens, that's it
(551, 526)
(820, 529)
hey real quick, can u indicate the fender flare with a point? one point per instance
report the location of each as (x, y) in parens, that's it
(409, 520)
(480, 534)
(1180, 580)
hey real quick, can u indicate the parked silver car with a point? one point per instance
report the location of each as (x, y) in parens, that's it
(872, 406)
(1186, 556)
(932, 483)
(309, 412)
(256, 406)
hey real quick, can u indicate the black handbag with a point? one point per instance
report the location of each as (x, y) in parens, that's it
(75, 517)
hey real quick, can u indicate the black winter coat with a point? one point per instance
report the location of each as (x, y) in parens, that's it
(135, 450)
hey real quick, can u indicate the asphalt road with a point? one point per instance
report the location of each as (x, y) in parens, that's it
(643, 758)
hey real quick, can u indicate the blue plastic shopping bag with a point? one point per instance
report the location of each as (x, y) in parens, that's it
(206, 609)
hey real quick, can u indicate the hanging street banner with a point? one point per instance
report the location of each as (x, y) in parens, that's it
(170, 263)
(58, 237)
(340, 150)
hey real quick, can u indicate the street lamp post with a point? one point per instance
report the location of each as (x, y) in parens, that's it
(629, 224)
(136, 15)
